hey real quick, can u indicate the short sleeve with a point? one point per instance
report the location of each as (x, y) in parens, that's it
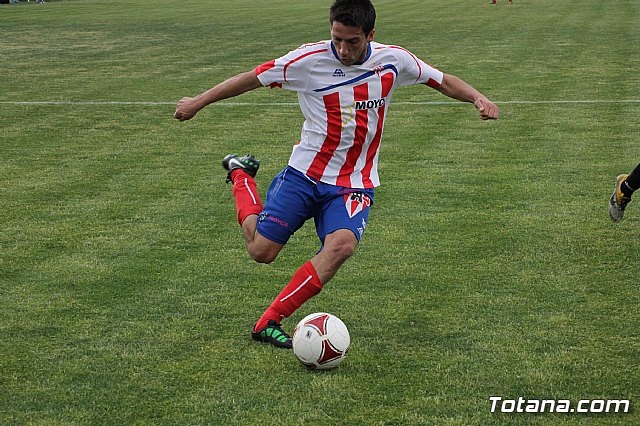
(292, 70)
(414, 70)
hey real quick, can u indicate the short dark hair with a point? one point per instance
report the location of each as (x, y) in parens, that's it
(354, 13)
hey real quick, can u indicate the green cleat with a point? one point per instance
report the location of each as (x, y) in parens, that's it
(274, 334)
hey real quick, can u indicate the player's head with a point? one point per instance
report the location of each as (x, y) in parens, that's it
(352, 28)
(354, 13)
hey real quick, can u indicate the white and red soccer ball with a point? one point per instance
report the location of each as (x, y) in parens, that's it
(321, 341)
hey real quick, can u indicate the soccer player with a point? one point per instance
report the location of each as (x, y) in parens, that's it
(344, 88)
(626, 185)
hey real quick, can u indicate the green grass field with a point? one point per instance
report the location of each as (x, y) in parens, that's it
(489, 266)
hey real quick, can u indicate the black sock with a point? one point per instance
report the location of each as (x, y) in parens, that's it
(626, 190)
(632, 182)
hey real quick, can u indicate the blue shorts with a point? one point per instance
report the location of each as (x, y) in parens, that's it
(293, 198)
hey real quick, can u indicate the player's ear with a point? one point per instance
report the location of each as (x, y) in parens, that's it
(371, 34)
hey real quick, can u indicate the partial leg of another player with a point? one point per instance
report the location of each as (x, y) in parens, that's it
(625, 186)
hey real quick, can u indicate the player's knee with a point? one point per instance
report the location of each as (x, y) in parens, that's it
(262, 258)
(341, 249)
(262, 255)
(263, 250)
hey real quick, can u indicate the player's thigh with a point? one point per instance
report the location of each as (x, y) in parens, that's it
(289, 204)
(264, 250)
(346, 211)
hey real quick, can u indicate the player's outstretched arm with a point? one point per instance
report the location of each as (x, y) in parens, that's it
(188, 107)
(456, 88)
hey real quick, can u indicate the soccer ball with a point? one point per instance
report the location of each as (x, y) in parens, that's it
(321, 341)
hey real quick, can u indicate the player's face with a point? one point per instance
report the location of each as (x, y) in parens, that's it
(350, 42)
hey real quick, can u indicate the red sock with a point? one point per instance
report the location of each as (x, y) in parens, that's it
(303, 286)
(245, 192)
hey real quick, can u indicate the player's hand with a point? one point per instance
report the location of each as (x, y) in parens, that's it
(186, 109)
(487, 109)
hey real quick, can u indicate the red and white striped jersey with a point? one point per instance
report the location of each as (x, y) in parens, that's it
(344, 106)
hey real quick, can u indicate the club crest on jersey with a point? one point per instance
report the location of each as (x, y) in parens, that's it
(356, 202)
(378, 69)
(372, 103)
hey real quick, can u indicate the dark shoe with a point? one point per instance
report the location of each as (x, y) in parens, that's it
(618, 202)
(274, 334)
(248, 163)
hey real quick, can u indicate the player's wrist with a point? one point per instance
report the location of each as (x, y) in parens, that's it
(480, 100)
(201, 101)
